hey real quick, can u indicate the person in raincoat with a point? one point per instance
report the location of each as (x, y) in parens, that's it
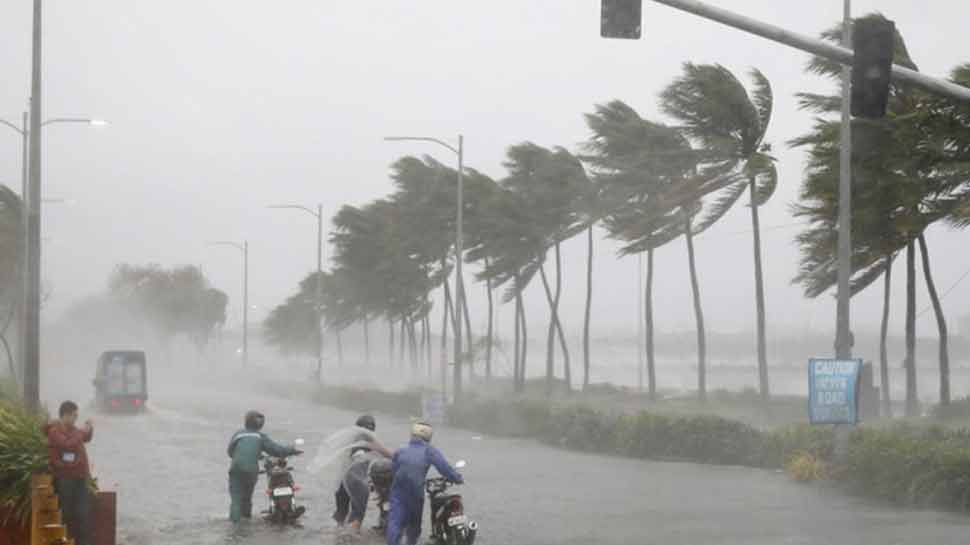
(354, 490)
(411, 464)
(245, 447)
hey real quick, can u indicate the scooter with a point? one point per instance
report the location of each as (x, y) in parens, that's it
(381, 477)
(281, 490)
(449, 524)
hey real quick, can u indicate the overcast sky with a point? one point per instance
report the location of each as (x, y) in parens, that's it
(221, 107)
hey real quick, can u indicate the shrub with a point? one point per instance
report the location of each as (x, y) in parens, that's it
(23, 452)
(908, 465)
(956, 409)
(902, 463)
(805, 466)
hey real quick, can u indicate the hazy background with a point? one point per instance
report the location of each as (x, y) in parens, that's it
(219, 108)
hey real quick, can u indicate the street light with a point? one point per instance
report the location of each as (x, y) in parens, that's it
(244, 248)
(319, 295)
(459, 286)
(30, 250)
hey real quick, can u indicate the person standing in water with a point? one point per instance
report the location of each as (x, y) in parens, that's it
(411, 464)
(244, 448)
(354, 490)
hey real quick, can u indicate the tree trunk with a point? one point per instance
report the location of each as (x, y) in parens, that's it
(589, 305)
(525, 349)
(490, 331)
(415, 358)
(515, 359)
(426, 332)
(390, 355)
(699, 316)
(443, 358)
(912, 397)
(402, 354)
(550, 335)
(469, 344)
(887, 410)
(940, 323)
(648, 328)
(422, 344)
(524, 333)
(567, 372)
(340, 349)
(759, 285)
(366, 342)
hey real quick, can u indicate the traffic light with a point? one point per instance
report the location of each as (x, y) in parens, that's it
(874, 42)
(620, 19)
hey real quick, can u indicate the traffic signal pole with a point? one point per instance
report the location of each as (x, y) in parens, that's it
(843, 343)
(840, 54)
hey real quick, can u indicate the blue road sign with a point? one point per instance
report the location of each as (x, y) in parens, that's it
(833, 391)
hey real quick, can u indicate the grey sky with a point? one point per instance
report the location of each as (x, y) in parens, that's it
(219, 108)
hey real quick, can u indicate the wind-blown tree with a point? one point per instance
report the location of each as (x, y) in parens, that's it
(506, 241)
(622, 154)
(551, 182)
(480, 190)
(713, 109)
(170, 302)
(900, 187)
(654, 180)
(289, 326)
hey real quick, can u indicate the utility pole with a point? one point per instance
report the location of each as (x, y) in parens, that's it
(22, 269)
(843, 336)
(245, 303)
(640, 312)
(319, 296)
(32, 257)
(459, 281)
(318, 303)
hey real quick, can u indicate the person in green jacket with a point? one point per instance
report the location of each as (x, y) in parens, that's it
(245, 448)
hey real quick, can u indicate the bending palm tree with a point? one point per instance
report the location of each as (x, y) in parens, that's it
(716, 111)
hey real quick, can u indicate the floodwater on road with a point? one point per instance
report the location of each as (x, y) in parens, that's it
(169, 466)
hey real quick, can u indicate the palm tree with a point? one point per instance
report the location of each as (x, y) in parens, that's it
(715, 110)
(552, 182)
(900, 187)
(640, 168)
(505, 240)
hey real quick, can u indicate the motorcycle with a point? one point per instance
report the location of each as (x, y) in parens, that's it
(281, 490)
(449, 524)
(381, 476)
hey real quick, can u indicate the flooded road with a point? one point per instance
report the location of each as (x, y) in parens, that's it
(169, 469)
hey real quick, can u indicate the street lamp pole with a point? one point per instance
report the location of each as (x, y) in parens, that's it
(244, 248)
(843, 335)
(459, 280)
(32, 257)
(30, 202)
(319, 287)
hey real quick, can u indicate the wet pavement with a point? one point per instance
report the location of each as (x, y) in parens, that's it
(169, 469)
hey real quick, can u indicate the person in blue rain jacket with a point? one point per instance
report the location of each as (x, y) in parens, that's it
(411, 464)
